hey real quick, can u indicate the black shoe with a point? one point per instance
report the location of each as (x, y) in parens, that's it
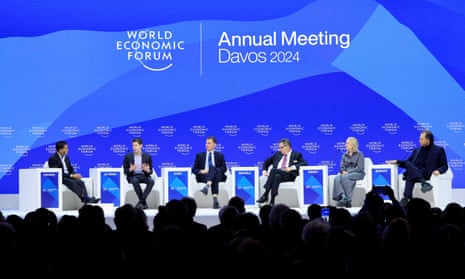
(216, 204)
(337, 198)
(426, 187)
(141, 205)
(342, 203)
(204, 190)
(92, 200)
(144, 205)
(263, 198)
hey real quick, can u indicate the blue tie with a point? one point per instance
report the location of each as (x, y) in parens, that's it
(210, 160)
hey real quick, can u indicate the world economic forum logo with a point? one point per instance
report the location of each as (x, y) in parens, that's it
(183, 148)
(87, 149)
(153, 49)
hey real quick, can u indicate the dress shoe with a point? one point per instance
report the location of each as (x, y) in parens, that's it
(263, 199)
(342, 203)
(204, 190)
(141, 205)
(92, 200)
(426, 187)
(337, 198)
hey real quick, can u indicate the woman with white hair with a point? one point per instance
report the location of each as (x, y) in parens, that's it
(351, 169)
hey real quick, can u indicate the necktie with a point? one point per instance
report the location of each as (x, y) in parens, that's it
(284, 162)
(210, 159)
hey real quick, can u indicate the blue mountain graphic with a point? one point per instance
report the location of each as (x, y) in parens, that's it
(312, 181)
(176, 182)
(243, 181)
(380, 180)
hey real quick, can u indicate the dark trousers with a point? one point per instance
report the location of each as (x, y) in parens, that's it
(77, 186)
(215, 176)
(414, 174)
(275, 177)
(136, 180)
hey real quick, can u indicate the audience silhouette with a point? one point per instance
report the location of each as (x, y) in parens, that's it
(415, 239)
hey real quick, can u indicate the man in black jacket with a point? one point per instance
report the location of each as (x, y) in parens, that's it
(210, 168)
(286, 163)
(71, 179)
(426, 160)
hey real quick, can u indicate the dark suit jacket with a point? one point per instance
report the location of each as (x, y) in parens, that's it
(296, 160)
(201, 158)
(436, 160)
(54, 161)
(129, 159)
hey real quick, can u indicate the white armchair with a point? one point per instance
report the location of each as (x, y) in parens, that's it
(439, 196)
(154, 199)
(70, 200)
(225, 192)
(362, 187)
(289, 193)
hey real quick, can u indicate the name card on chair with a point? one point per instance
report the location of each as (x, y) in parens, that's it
(176, 183)
(315, 184)
(384, 175)
(49, 189)
(107, 184)
(245, 184)
(110, 187)
(40, 187)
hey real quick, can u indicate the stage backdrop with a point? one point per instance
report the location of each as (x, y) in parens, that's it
(99, 73)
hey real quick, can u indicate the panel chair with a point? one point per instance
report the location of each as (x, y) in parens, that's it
(70, 200)
(290, 193)
(155, 198)
(362, 186)
(439, 196)
(225, 192)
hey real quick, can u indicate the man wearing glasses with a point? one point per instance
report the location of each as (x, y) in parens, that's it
(285, 167)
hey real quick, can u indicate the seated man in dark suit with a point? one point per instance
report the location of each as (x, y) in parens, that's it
(426, 160)
(71, 179)
(286, 164)
(138, 168)
(210, 168)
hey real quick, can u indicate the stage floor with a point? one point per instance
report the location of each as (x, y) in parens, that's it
(207, 216)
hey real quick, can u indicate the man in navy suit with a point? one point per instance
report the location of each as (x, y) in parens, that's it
(210, 168)
(71, 179)
(426, 160)
(286, 163)
(138, 168)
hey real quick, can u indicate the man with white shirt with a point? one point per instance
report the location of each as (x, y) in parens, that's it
(210, 168)
(71, 179)
(286, 163)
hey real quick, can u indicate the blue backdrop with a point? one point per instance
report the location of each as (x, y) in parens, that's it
(98, 73)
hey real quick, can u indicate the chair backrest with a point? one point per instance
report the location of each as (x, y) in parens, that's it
(366, 181)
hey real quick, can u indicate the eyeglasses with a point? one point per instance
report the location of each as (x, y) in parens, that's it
(283, 146)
